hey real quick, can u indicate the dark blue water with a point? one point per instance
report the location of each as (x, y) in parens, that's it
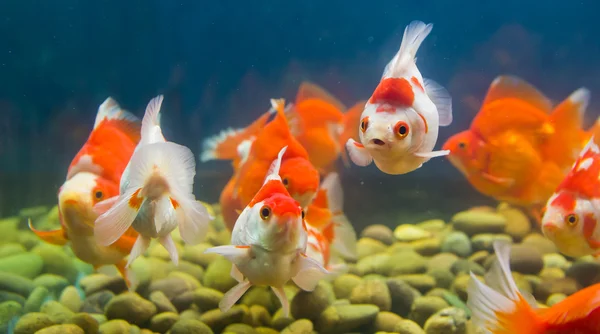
(218, 63)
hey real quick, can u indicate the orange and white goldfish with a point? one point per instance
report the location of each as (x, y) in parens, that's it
(331, 236)
(268, 244)
(351, 124)
(518, 148)
(93, 176)
(572, 213)
(156, 194)
(299, 176)
(500, 308)
(400, 122)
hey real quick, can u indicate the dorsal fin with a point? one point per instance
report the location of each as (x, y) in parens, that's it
(110, 110)
(309, 90)
(151, 121)
(414, 34)
(273, 173)
(507, 86)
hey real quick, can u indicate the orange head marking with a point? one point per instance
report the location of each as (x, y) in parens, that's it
(395, 91)
(302, 178)
(280, 205)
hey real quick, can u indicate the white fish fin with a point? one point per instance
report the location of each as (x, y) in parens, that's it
(243, 149)
(432, 154)
(193, 223)
(233, 295)
(103, 206)
(484, 302)
(134, 281)
(345, 241)
(358, 154)
(236, 274)
(499, 276)
(111, 225)
(169, 245)
(164, 213)
(414, 34)
(285, 304)
(235, 254)
(310, 272)
(210, 144)
(110, 109)
(139, 247)
(273, 173)
(442, 100)
(335, 194)
(151, 131)
(337, 270)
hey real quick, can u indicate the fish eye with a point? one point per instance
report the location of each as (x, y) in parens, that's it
(99, 194)
(462, 144)
(401, 130)
(303, 214)
(265, 212)
(364, 124)
(285, 181)
(572, 219)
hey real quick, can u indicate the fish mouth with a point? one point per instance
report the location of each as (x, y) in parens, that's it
(76, 215)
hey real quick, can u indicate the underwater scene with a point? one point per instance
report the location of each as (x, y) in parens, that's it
(202, 167)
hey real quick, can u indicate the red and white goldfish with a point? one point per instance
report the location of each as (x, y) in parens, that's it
(399, 124)
(93, 176)
(572, 213)
(268, 244)
(501, 308)
(156, 194)
(299, 176)
(518, 148)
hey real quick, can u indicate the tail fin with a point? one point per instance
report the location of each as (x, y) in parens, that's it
(224, 146)
(567, 118)
(500, 307)
(342, 237)
(309, 90)
(176, 166)
(351, 124)
(414, 34)
(273, 173)
(151, 132)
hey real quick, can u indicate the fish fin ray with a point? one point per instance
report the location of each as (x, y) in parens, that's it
(442, 100)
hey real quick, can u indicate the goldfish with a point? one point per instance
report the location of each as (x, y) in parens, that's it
(299, 176)
(331, 236)
(501, 308)
(268, 244)
(351, 122)
(518, 148)
(571, 216)
(93, 176)
(155, 194)
(399, 123)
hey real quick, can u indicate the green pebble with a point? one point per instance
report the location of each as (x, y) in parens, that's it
(32, 322)
(36, 299)
(28, 265)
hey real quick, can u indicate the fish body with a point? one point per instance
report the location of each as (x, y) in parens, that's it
(156, 194)
(572, 212)
(399, 123)
(93, 176)
(500, 308)
(268, 244)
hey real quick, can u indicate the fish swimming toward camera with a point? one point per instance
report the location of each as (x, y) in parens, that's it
(156, 194)
(93, 176)
(500, 308)
(400, 122)
(269, 244)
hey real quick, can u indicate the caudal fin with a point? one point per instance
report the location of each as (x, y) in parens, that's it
(566, 143)
(500, 307)
(414, 34)
(341, 235)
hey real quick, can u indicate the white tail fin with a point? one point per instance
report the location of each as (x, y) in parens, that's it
(345, 239)
(414, 34)
(110, 110)
(273, 173)
(210, 144)
(501, 297)
(151, 132)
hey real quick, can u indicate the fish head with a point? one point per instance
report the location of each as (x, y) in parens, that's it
(567, 220)
(462, 148)
(77, 197)
(279, 222)
(300, 178)
(388, 130)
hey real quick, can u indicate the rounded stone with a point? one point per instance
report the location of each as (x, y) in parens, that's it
(162, 303)
(457, 243)
(61, 329)
(57, 311)
(259, 316)
(450, 320)
(555, 298)
(584, 272)
(32, 322)
(260, 295)
(162, 322)
(555, 260)
(474, 222)
(207, 299)
(54, 283)
(117, 326)
(424, 307)
(379, 232)
(302, 326)
(526, 259)
(86, 322)
(366, 246)
(28, 265)
(421, 282)
(71, 299)
(386, 321)
(409, 232)
(98, 282)
(485, 241)
(16, 283)
(56, 261)
(35, 299)
(195, 254)
(518, 225)
(567, 286)
(408, 262)
(459, 287)
(218, 277)
(463, 266)
(131, 307)
(539, 242)
(374, 292)
(403, 296)
(309, 305)
(406, 326)
(345, 318)
(443, 278)
(217, 320)
(442, 261)
(343, 285)
(427, 247)
(11, 248)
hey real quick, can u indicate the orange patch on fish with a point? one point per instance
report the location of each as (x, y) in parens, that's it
(357, 144)
(395, 91)
(424, 122)
(242, 246)
(174, 203)
(565, 201)
(135, 201)
(416, 82)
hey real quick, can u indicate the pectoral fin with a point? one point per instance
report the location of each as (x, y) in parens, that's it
(55, 237)
(432, 154)
(310, 272)
(358, 153)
